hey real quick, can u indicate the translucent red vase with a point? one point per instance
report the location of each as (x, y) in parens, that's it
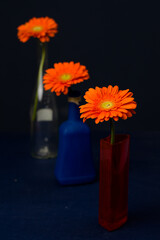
(113, 188)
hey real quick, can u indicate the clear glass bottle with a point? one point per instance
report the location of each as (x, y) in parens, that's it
(44, 116)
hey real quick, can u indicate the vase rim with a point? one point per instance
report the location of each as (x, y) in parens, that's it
(119, 138)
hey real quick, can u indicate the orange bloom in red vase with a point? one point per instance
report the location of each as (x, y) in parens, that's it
(42, 28)
(63, 75)
(108, 102)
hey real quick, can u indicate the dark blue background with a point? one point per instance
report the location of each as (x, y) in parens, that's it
(118, 41)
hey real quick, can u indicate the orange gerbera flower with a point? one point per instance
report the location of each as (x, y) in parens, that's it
(105, 103)
(63, 75)
(42, 28)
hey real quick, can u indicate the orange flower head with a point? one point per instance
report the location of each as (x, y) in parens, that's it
(63, 75)
(107, 102)
(42, 28)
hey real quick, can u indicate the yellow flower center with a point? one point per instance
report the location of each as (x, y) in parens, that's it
(37, 28)
(65, 77)
(106, 105)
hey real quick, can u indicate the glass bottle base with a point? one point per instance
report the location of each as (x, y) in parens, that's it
(43, 153)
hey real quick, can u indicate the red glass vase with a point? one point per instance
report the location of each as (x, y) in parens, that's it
(113, 188)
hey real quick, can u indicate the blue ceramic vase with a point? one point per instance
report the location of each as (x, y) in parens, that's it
(74, 164)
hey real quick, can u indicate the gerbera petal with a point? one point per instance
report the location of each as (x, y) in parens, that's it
(110, 88)
(86, 114)
(106, 119)
(129, 106)
(97, 120)
(132, 111)
(119, 114)
(122, 110)
(129, 114)
(115, 90)
(101, 115)
(127, 100)
(123, 92)
(116, 118)
(124, 117)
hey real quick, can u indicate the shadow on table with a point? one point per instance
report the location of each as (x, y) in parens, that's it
(146, 215)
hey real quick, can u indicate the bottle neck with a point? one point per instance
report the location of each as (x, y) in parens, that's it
(43, 62)
(42, 55)
(73, 113)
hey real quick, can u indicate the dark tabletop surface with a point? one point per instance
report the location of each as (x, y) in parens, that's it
(34, 206)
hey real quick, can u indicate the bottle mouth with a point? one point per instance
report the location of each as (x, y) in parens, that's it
(74, 96)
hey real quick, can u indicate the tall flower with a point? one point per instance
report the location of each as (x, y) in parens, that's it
(42, 28)
(108, 103)
(63, 75)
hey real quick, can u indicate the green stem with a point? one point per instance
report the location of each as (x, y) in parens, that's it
(112, 131)
(40, 71)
